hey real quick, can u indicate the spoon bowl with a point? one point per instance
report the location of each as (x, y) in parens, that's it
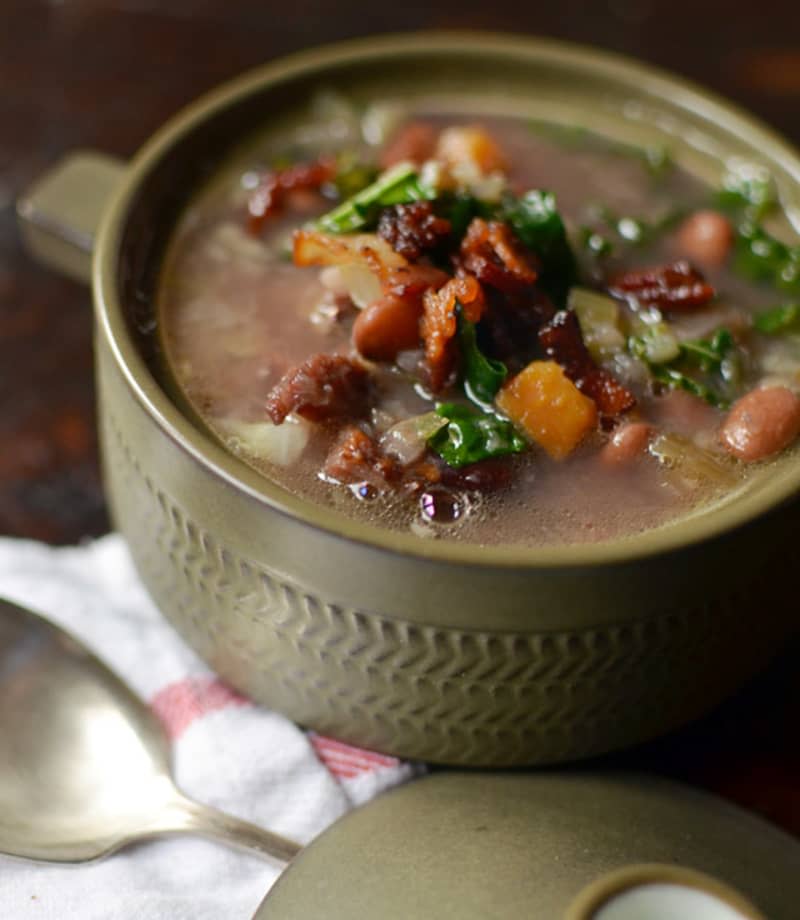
(84, 764)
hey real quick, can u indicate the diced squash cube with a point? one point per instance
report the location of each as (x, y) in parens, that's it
(544, 403)
(470, 144)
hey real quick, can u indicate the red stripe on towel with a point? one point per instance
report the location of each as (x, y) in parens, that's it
(346, 761)
(178, 705)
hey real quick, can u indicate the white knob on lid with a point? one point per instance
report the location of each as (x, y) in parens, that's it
(667, 901)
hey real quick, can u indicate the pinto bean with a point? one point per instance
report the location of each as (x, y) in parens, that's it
(387, 326)
(627, 443)
(761, 423)
(706, 237)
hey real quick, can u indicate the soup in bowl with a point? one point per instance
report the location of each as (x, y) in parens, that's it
(433, 380)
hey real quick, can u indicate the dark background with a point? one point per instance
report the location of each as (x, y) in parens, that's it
(97, 73)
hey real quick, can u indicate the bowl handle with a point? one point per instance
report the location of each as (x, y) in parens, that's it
(59, 215)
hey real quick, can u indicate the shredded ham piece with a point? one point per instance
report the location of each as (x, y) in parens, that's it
(274, 187)
(490, 251)
(322, 387)
(561, 340)
(438, 325)
(413, 229)
(677, 287)
(358, 458)
(390, 324)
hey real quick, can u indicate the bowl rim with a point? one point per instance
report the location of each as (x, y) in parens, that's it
(206, 451)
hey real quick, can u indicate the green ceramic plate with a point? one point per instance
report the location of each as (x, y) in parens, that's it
(548, 846)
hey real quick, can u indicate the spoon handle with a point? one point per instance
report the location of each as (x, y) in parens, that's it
(192, 817)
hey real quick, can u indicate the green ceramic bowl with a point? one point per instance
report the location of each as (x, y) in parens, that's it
(432, 650)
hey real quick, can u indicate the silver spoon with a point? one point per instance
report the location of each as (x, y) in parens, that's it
(84, 765)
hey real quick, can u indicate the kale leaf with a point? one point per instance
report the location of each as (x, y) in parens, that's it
(535, 220)
(471, 436)
(399, 185)
(483, 376)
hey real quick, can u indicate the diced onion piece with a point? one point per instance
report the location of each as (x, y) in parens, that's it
(279, 444)
(406, 441)
(367, 249)
(599, 319)
(544, 403)
(361, 284)
(691, 466)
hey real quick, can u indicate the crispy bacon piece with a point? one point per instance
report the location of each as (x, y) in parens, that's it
(490, 251)
(358, 458)
(414, 141)
(271, 192)
(322, 387)
(676, 288)
(355, 457)
(413, 229)
(438, 324)
(561, 340)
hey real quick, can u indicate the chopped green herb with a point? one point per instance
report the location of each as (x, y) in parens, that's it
(708, 354)
(595, 243)
(762, 257)
(535, 220)
(471, 436)
(779, 319)
(678, 381)
(607, 230)
(483, 376)
(399, 185)
(748, 188)
(668, 360)
(656, 158)
(564, 135)
(352, 175)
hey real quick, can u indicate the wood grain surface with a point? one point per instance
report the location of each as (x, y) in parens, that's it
(97, 73)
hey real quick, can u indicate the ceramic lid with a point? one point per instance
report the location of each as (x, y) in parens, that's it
(476, 846)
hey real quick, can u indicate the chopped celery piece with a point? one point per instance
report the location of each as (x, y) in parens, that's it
(657, 344)
(599, 319)
(780, 319)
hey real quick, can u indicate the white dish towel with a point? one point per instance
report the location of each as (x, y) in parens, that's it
(227, 752)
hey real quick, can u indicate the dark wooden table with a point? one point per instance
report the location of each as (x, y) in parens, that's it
(106, 73)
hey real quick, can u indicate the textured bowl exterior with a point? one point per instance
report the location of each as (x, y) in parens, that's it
(439, 693)
(455, 656)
